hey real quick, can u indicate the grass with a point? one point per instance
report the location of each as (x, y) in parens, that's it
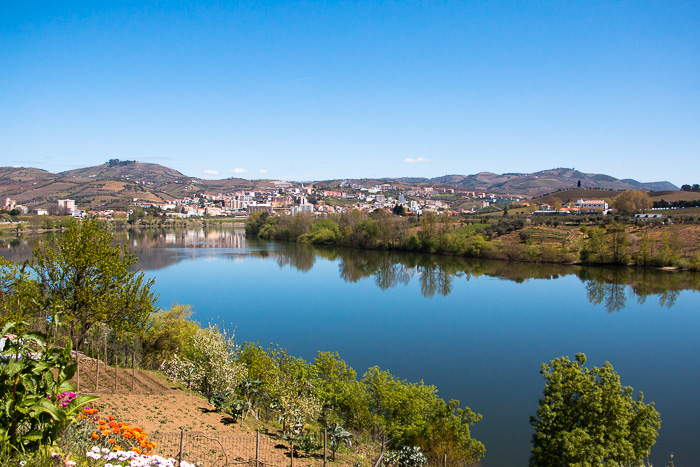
(470, 229)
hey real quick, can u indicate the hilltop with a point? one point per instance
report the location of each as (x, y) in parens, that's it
(116, 183)
(542, 182)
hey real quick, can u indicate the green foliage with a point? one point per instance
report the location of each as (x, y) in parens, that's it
(308, 443)
(588, 418)
(606, 245)
(413, 414)
(19, 293)
(38, 402)
(256, 220)
(630, 202)
(93, 281)
(285, 385)
(337, 436)
(168, 332)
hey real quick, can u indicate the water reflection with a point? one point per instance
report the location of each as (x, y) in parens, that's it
(607, 287)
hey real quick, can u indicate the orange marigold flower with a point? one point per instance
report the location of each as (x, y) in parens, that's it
(136, 450)
(95, 435)
(117, 448)
(111, 441)
(111, 418)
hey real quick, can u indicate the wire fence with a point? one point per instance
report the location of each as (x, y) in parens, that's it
(254, 449)
(260, 450)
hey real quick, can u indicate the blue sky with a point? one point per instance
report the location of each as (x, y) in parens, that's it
(318, 90)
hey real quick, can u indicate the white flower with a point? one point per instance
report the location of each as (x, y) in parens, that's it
(95, 449)
(70, 463)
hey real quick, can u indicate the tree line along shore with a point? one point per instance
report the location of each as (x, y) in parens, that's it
(588, 239)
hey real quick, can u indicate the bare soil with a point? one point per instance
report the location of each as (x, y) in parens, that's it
(164, 409)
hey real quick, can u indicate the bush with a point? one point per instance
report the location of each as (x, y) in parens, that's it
(407, 456)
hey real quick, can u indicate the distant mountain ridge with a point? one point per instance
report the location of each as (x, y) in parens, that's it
(117, 183)
(537, 183)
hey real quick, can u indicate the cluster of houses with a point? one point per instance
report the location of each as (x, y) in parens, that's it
(298, 199)
(582, 206)
(288, 198)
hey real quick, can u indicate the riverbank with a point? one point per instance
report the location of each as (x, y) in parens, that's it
(590, 240)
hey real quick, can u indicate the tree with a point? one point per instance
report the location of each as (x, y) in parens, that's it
(631, 201)
(18, 292)
(93, 281)
(579, 184)
(399, 210)
(587, 418)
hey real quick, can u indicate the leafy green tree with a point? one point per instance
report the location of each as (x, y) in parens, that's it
(19, 293)
(399, 210)
(93, 281)
(255, 222)
(631, 201)
(168, 332)
(587, 418)
(342, 395)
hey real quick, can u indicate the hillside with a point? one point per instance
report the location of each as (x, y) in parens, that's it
(542, 182)
(130, 170)
(115, 184)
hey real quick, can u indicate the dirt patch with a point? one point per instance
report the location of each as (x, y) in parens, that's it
(164, 409)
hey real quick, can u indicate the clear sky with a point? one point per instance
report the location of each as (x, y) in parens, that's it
(318, 90)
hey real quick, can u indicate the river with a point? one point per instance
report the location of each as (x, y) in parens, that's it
(478, 330)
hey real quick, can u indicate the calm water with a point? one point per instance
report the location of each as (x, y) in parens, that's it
(478, 330)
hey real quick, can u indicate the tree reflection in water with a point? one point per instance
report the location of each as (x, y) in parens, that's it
(609, 287)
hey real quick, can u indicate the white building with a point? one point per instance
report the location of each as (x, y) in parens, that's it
(68, 204)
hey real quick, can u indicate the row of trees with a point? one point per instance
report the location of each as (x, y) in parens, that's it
(608, 243)
(382, 230)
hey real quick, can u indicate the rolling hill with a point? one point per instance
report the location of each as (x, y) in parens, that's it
(115, 184)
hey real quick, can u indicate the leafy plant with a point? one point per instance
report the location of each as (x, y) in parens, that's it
(37, 398)
(308, 443)
(338, 435)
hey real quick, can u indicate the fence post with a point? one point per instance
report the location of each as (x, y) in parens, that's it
(97, 372)
(133, 369)
(325, 443)
(179, 454)
(445, 460)
(77, 371)
(291, 451)
(115, 372)
(257, 447)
